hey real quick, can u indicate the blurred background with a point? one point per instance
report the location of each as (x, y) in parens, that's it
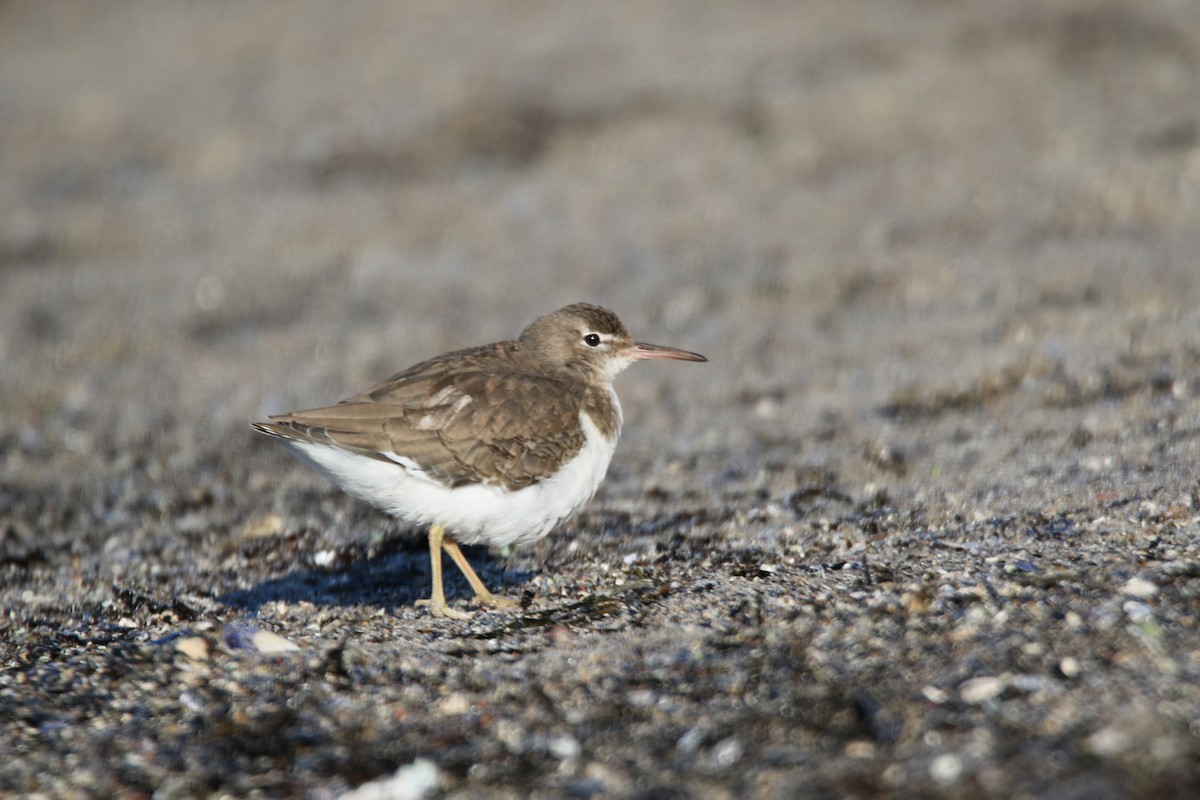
(213, 211)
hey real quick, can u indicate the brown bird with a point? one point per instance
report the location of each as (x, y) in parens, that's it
(494, 444)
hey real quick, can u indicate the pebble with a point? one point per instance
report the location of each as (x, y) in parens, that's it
(241, 637)
(1139, 587)
(860, 748)
(946, 768)
(1137, 612)
(727, 752)
(1108, 742)
(191, 702)
(196, 648)
(260, 527)
(267, 642)
(565, 747)
(414, 781)
(690, 742)
(1029, 683)
(980, 690)
(935, 695)
(456, 703)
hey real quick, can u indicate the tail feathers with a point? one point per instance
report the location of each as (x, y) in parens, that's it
(291, 431)
(271, 429)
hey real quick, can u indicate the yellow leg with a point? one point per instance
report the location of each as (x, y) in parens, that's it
(482, 595)
(437, 598)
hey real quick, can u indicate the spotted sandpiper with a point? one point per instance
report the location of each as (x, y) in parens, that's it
(494, 444)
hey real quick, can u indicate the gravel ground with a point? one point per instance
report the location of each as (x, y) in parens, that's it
(926, 525)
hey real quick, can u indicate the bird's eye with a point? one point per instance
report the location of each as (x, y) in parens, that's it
(592, 340)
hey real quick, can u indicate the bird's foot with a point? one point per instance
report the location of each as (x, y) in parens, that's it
(439, 609)
(489, 600)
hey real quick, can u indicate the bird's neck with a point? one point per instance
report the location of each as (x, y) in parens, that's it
(601, 404)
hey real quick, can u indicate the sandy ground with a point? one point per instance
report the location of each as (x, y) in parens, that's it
(926, 525)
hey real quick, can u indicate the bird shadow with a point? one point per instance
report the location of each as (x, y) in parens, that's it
(390, 580)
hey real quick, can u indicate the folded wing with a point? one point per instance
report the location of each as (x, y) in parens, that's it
(455, 427)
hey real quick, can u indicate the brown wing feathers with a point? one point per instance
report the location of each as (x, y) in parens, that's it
(459, 427)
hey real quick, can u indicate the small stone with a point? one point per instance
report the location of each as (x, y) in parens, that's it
(511, 735)
(935, 695)
(456, 703)
(1136, 611)
(261, 526)
(860, 748)
(585, 787)
(767, 408)
(191, 702)
(1069, 667)
(690, 742)
(1139, 587)
(1108, 742)
(244, 637)
(727, 752)
(946, 768)
(415, 781)
(980, 690)
(565, 747)
(267, 642)
(196, 648)
(1028, 683)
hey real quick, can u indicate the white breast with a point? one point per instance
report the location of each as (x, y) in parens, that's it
(475, 514)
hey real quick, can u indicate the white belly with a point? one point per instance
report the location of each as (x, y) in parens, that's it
(475, 514)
